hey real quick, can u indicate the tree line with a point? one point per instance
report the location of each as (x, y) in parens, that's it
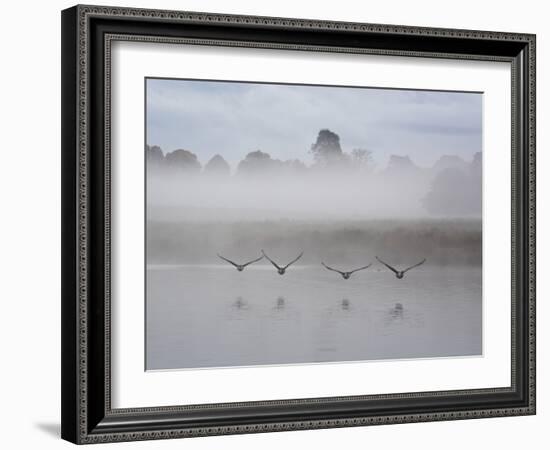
(453, 186)
(326, 151)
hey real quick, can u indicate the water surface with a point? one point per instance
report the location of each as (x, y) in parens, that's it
(213, 316)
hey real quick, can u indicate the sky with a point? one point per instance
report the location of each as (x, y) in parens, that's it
(235, 118)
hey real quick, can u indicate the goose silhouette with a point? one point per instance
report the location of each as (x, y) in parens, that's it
(400, 273)
(346, 275)
(282, 269)
(240, 267)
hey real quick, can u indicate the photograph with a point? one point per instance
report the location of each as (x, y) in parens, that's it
(308, 224)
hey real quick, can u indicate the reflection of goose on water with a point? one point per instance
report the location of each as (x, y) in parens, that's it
(397, 311)
(282, 269)
(240, 267)
(240, 303)
(400, 273)
(346, 275)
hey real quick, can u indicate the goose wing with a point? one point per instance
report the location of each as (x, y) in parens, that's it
(294, 260)
(330, 268)
(270, 260)
(360, 268)
(416, 265)
(228, 260)
(253, 261)
(387, 265)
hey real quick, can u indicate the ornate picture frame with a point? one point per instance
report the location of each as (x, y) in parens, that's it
(88, 33)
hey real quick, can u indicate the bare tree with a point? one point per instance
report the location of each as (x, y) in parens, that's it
(361, 158)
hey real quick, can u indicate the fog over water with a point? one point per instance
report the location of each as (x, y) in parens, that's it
(337, 205)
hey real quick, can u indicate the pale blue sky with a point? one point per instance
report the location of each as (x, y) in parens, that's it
(233, 119)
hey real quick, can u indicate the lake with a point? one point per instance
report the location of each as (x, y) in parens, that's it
(213, 316)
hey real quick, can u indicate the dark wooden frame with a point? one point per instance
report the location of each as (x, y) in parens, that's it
(87, 32)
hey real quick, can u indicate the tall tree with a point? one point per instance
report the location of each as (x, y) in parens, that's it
(327, 150)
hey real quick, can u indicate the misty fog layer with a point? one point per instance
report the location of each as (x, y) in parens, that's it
(353, 196)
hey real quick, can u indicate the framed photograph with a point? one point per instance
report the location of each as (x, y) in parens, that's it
(278, 224)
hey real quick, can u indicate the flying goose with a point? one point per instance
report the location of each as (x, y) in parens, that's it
(400, 273)
(240, 267)
(282, 269)
(346, 275)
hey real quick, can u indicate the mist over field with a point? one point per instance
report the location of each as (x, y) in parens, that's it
(453, 243)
